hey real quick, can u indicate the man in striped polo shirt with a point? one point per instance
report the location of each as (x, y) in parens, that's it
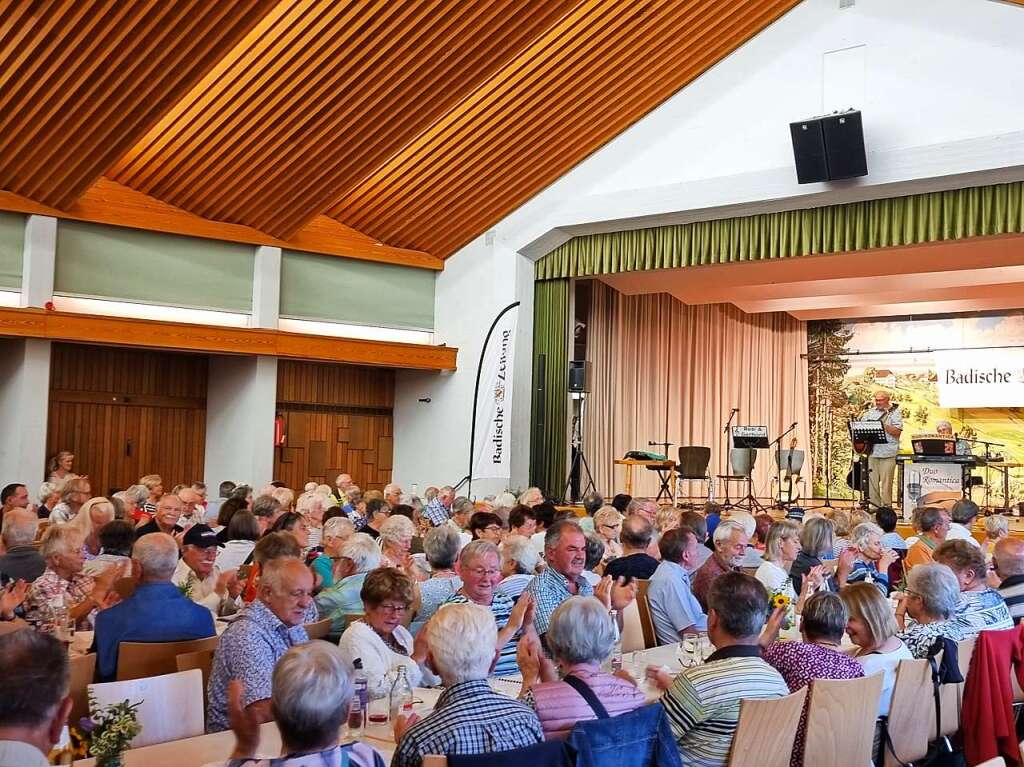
(1008, 562)
(703, 703)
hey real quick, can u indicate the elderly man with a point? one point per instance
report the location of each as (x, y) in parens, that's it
(311, 691)
(438, 510)
(35, 703)
(469, 717)
(703, 702)
(636, 536)
(191, 512)
(21, 562)
(197, 575)
(647, 509)
(934, 526)
(730, 549)
(157, 611)
(393, 494)
(964, 513)
(359, 555)
(696, 522)
(882, 458)
(165, 520)
(945, 429)
(254, 642)
(266, 509)
(480, 567)
(1008, 564)
(377, 513)
(75, 493)
(342, 484)
(565, 550)
(675, 611)
(224, 491)
(13, 496)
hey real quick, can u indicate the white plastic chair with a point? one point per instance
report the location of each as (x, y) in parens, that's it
(172, 704)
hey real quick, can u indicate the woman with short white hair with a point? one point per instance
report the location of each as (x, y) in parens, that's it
(871, 560)
(90, 519)
(441, 548)
(64, 581)
(336, 531)
(395, 541)
(358, 556)
(608, 525)
(997, 527)
(531, 496)
(49, 496)
(930, 598)
(519, 564)
(310, 695)
(580, 638)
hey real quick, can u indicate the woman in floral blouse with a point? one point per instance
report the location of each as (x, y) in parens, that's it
(927, 608)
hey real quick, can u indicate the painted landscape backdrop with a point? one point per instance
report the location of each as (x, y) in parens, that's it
(842, 383)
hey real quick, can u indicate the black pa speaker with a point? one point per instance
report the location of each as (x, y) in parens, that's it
(577, 376)
(829, 148)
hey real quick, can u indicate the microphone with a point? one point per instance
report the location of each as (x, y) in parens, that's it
(735, 410)
(793, 425)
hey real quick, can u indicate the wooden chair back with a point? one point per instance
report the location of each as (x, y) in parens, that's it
(319, 629)
(136, 660)
(910, 726)
(632, 629)
(435, 760)
(83, 674)
(766, 730)
(643, 607)
(180, 693)
(200, 659)
(841, 720)
(953, 694)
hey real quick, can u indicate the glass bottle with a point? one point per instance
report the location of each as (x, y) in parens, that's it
(401, 695)
(616, 660)
(357, 706)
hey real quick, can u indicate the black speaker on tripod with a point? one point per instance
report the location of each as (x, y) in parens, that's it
(577, 376)
(829, 148)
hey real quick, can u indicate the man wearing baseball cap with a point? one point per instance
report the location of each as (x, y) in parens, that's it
(198, 577)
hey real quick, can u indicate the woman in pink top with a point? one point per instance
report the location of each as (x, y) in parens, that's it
(580, 637)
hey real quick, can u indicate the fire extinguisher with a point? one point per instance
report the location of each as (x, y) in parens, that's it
(279, 435)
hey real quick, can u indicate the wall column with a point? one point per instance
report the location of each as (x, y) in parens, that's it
(266, 287)
(39, 258)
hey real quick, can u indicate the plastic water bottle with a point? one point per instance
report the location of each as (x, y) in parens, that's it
(401, 695)
(616, 661)
(357, 706)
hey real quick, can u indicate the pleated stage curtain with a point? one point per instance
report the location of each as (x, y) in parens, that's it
(908, 220)
(662, 370)
(549, 428)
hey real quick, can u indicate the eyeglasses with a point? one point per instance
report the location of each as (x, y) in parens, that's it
(492, 529)
(612, 527)
(391, 608)
(480, 572)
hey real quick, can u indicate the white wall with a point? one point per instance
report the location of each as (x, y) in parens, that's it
(938, 82)
(24, 408)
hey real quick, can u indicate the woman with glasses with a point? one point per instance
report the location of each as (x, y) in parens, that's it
(608, 525)
(930, 599)
(379, 639)
(480, 568)
(486, 526)
(396, 544)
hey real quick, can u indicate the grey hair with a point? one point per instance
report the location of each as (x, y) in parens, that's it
(265, 506)
(580, 631)
(441, 546)
(157, 554)
(61, 539)
(363, 552)
(745, 520)
(825, 616)
(137, 493)
(19, 528)
(471, 657)
(47, 489)
(462, 504)
(863, 532)
(740, 602)
(310, 695)
(395, 528)
(816, 537)
(554, 533)
(392, 488)
(938, 588)
(475, 550)
(997, 526)
(335, 525)
(725, 530)
(520, 549)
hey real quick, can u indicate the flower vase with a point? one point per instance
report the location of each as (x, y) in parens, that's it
(116, 760)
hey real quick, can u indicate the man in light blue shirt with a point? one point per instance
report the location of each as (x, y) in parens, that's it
(674, 609)
(882, 459)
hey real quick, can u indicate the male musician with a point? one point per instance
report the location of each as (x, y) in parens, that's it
(945, 429)
(882, 458)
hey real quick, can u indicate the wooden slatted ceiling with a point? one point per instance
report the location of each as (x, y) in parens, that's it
(418, 124)
(81, 81)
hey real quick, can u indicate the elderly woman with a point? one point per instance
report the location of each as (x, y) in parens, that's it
(311, 691)
(580, 638)
(294, 524)
(336, 531)
(395, 541)
(816, 540)
(531, 496)
(90, 520)
(842, 525)
(154, 485)
(980, 607)
(481, 572)
(818, 656)
(58, 468)
(312, 506)
(49, 497)
(782, 545)
(486, 526)
(342, 602)
(667, 518)
(519, 563)
(872, 628)
(441, 547)
(997, 527)
(379, 639)
(73, 493)
(871, 561)
(930, 599)
(82, 595)
(608, 525)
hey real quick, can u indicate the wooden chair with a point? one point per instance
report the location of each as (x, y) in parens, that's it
(644, 609)
(202, 660)
(83, 673)
(841, 720)
(953, 694)
(766, 730)
(910, 726)
(319, 629)
(180, 694)
(632, 630)
(136, 660)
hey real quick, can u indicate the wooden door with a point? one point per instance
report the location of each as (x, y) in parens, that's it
(125, 413)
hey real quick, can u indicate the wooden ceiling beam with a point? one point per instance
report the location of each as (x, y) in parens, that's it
(107, 202)
(179, 336)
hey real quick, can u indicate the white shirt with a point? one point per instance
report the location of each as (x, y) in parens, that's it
(96, 566)
(772, 577)
(61, 514)
(379, 660)
(15, 753)
(885, 662)
(537, 539)
(203, 592)
(958, 532)
(234, 554)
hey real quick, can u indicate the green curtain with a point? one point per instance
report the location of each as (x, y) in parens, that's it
(551, 334)
(910, 220)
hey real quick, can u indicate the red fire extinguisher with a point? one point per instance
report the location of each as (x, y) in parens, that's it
(279, 435)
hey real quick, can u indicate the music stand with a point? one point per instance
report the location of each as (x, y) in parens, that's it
(870, 432)
(747, 440)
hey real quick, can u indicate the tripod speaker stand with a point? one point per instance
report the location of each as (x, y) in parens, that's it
(572, 492)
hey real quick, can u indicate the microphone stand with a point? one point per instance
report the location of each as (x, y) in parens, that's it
(724, 462)
(777, 442)
(988, 476)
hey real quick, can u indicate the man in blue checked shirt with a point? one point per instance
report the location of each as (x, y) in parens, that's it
(438, 510)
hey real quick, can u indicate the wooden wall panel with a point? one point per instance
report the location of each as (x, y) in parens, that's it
(126, 413)
(337, 419)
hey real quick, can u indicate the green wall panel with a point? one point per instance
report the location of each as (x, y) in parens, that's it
(12, 241)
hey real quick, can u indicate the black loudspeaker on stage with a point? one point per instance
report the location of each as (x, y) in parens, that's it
(829, 148)
(577, 376)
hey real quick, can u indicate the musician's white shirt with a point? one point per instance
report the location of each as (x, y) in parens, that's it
(891, 446)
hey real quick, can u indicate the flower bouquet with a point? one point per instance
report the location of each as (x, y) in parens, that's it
(107, 732)
(781, 599)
